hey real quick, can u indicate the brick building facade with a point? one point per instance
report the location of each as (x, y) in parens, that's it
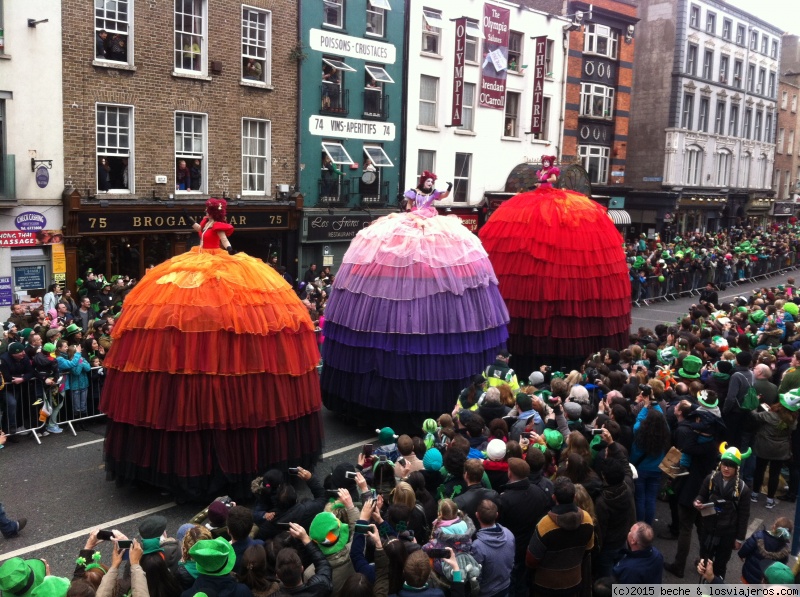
(149, 86)
(787, 146)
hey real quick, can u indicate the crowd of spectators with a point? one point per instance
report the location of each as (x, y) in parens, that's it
(658, 268)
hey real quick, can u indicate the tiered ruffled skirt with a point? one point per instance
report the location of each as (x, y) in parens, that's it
(211, 377)
(415, 311)
(562, 272)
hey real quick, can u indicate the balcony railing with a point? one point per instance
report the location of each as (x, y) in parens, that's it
(376, 104)
(333, 191)
(8, 186)
(373, 195)
(335, 100)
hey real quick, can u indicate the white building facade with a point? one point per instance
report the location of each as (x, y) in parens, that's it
(478, 155)
(31, 148)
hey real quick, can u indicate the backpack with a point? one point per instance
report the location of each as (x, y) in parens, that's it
(470, 572)
(750, 400)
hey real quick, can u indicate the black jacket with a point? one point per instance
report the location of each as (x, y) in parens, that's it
(521, 506)
(319, 585)
(11, 367)
(733, 514)
(302, 513)
(468, 501)
(704, 459)
(616, 514)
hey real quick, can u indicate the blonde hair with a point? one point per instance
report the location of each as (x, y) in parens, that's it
(192, 536)
(448, 510)
(403, 494)
(584, 501)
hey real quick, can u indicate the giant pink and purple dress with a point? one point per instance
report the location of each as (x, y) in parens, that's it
(414, 313)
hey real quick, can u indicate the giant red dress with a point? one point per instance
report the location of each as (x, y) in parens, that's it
(211, 376)
(562, 272)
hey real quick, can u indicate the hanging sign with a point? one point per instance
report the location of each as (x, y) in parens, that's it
(495, 57)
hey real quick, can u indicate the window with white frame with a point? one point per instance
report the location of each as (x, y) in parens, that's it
(768, 132)
(380, 160)
(376, 17)
(511, 122)
(763, 173)
(461, 177)
(727, 25)
(112, 25)
(545, 133)
(426, 161)
(724, 61)
(723, 168)
(190, 152)
(787, 185)
(790, 143)
(719, 119)
(702, 118)
(781, 140)
(774, 52)
(744, 170)
(548, 57)
(740, 29)
(428, 100)
(256, 143)
(256, 40)
(757, 127)
(754, 41)
(687, 115)
(777, 183)
(764, 43)
(708, 64)
(333, 13)
(693, 169)
(515, 51)
(114, 141)
(190, 35)
(784, 100)
(738, 65)
(751, 78)
(711, 23)
(468, 108)
(733, 121)
(471, 40)
(601, 40)
(694, 16)
(762, 76)
(691, 59)
(597, 101)
(748, 119)
(595, 160)
(794, 102)
(431, 31)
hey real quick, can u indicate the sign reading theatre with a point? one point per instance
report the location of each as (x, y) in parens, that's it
(370, 50)
(350, 128)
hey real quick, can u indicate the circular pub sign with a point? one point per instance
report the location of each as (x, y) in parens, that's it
(42, 176)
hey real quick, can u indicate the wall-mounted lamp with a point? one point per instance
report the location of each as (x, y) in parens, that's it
(33, 22)
(629, 34)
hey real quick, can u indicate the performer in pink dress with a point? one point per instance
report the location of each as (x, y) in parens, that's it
(423, 196)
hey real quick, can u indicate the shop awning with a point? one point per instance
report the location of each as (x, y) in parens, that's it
(620, 217)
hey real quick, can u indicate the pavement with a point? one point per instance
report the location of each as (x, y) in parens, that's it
(60, 486)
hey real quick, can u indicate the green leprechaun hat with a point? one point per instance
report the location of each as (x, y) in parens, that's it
(732, 454)
(791, 400)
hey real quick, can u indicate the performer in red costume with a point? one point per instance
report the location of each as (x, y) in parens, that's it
(562, 272)
(211, 378)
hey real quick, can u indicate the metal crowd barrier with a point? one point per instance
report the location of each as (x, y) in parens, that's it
(689, 282)
(27, 399)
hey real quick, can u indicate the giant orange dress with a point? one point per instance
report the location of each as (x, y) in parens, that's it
(211, 376)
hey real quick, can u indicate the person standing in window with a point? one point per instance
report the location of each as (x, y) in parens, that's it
(329, 183)
(100, 44)
(103, 175)
(253, 70)
(330, 90)
(117, 49)
(183, 178)
(196, 172)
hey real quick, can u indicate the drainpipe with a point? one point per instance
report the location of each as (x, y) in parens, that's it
(404, 113)
(298, 142)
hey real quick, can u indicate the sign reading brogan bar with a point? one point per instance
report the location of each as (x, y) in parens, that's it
(494, 69)
(109, 223)
(458, 71)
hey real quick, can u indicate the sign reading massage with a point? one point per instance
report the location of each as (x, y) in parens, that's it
(354, 47)
(495, 57)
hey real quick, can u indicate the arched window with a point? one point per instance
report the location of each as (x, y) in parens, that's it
(723, 168)
(693, 166)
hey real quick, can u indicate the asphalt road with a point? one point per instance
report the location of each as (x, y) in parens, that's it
(60, 485)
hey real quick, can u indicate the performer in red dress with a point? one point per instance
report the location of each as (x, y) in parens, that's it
(562, 272)
(211, 378)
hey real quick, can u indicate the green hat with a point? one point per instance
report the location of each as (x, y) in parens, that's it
(691, 367)
(214, 557)
(78, 282)
(328, 532)
(430, 426)
(49, 348)
(19, 577)
(732, 454)
(51, 586)
(72, 329)
(553, 438)
(777, 573)
(638, 262)
(791, 400)
(702, 398)
(667, 355)
(25, 333)
(114, 278)
(757, 317)
(386, 436)
(792, 309)
(152, 545)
